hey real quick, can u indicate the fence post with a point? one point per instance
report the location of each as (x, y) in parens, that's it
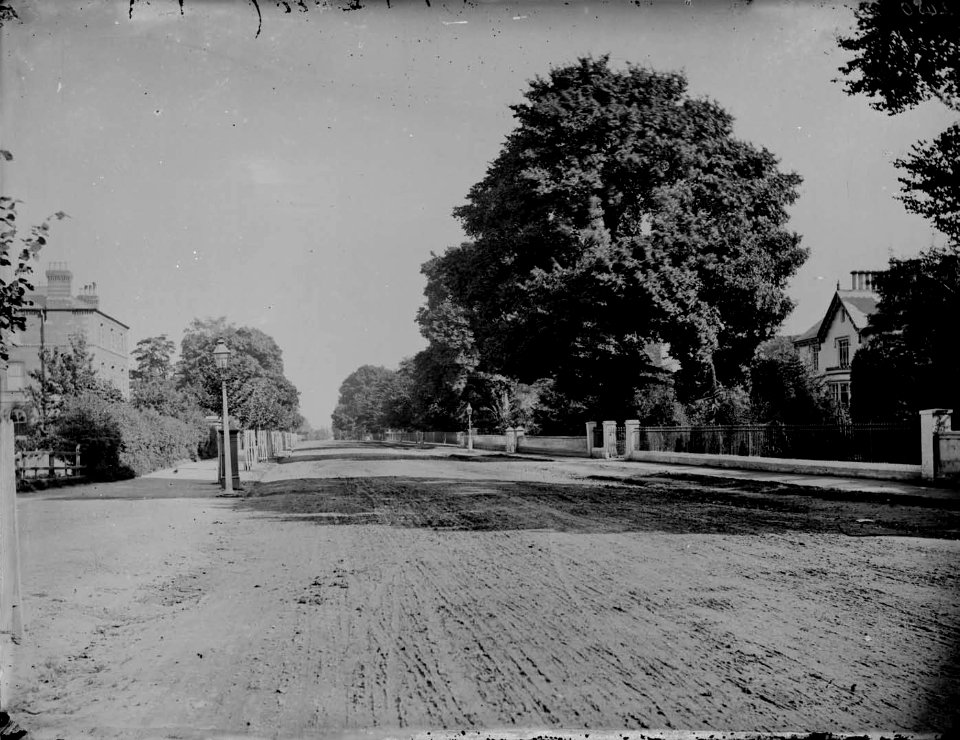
(511, 445)
(631, 436)
(931, 422)
(518, 438)
(591, 425)
(11, 619)
(609, 439)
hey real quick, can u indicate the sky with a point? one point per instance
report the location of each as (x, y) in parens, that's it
(295, 181)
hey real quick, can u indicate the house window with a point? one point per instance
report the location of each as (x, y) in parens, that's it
(19, 419)
(15, 376)
(841, 394)
(814, 357)
(843, 351)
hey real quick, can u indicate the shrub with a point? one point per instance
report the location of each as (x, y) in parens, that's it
(656, 405)
(118, 441)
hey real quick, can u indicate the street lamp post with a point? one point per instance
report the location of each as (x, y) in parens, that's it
(221, 355)
(469, 426)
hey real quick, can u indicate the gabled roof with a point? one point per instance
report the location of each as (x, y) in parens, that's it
(857, 304)
(859, 307)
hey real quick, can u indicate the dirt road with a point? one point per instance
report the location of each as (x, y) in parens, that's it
(403, 590)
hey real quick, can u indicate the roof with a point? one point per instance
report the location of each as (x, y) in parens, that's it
(859, 305)
(809, 334)
(73, 305)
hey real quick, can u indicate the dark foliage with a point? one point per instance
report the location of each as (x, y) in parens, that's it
(906, 53)
(260, 396)
(619, 212)
(910, 362)
(118, 441)
(784, 390)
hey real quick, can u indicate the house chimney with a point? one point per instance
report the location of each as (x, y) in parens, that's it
(863, 280)
(59, 279)
(89, 295)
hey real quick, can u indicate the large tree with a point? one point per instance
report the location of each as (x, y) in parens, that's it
(620, 211)
(910, 360)
(260, 395)
(153, 386)
(906, 54)
(153, 357)
(364, 402)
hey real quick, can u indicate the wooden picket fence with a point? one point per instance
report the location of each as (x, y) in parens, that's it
(48, 464)
(258, 445)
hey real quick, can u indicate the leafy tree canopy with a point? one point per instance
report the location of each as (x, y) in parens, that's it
(906, 54)
(784, 389)
(67, 373)
(365, 396)
(909, 362)
(620, 211)
(260, 395)
(153, 358)
(17, 252)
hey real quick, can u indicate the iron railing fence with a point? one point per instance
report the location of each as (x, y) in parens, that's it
(433, 438)
(878, 443)
(442, 438)
(621, 440)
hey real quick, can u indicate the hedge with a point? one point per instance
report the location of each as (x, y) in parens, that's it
(119, 441)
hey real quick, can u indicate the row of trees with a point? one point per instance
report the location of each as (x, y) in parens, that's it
(261, 396)
(779, 387)
(164, 420)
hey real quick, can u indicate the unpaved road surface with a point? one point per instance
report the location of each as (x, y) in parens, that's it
(399, 590)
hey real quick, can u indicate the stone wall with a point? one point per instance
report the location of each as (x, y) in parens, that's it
(496, 442)
(576, 446)
(949, 455)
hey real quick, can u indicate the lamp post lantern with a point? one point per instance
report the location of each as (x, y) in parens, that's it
(221, 355)
(469, 426)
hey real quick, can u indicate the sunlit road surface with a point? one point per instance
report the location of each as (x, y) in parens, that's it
(390, 592)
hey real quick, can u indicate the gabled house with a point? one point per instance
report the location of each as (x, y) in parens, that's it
(829, 345)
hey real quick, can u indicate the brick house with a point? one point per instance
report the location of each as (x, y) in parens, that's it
(54, 316)
(829, 345)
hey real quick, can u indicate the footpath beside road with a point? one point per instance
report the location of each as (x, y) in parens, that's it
(205, 470)
(827, 482)
(621, 469)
